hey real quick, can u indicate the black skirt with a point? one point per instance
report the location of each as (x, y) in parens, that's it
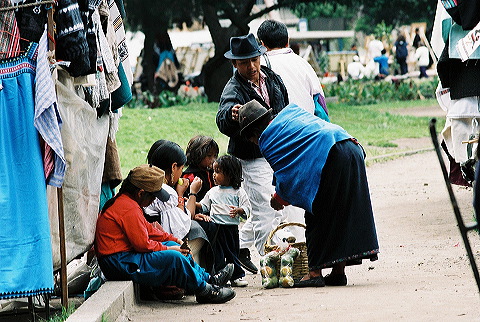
(341, 227)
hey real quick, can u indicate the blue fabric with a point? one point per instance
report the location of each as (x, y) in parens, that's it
(321, 107)
(383, 62)
(162, 268)
(296, 145)
(26, 266)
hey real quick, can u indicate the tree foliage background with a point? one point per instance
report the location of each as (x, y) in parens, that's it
(156, 16)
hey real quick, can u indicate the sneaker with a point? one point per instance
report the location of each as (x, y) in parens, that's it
(215, 294)
(245, 262)
(239, 282)
(223, 276)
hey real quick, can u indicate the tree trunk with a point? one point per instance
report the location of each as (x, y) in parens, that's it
(217, 70)
(147, 62)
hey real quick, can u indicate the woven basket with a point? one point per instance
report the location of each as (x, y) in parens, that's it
(300, 265)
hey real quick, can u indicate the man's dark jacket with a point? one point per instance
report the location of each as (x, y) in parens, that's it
(239, 91)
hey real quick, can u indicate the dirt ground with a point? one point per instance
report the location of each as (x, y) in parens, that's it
(423, 272)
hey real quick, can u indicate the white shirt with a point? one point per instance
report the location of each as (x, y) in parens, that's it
(218, 200)
(375, 48)
(356, 70)
(173, 219)
(298, 76)
(422, 55)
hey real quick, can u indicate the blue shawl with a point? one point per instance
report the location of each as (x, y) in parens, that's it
(296, 145)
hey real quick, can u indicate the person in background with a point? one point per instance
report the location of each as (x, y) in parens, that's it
(374, 49)
(422, 56)
(356, 69)
(175, 215)
(227, 202)
(417, 38)
(319, 167)
(382, 61)
(251, 81)
(301, 81)
(401, 53)
(130, 248)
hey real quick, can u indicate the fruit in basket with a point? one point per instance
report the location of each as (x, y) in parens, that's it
(285, 271)
(286, 281)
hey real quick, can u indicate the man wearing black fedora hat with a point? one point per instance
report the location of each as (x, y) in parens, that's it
(251, 81)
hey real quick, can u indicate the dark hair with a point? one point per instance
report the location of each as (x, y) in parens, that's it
(273, 33)
(164, 153)
(126, 188)
(256, 128)
(198, 148)
(231, 168)
(384, 51)
(401, 37)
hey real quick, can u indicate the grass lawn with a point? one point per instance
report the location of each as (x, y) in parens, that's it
(375, 126)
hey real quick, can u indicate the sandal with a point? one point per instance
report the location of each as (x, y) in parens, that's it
(311, 282)
(335, 280)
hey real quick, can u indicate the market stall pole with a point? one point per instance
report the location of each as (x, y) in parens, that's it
(464, 228)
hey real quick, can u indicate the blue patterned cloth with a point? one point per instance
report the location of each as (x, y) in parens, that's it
(25, 251)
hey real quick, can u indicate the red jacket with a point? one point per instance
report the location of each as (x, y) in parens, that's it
(123, 228)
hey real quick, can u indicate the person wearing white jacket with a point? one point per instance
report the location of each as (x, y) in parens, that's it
(422, 56)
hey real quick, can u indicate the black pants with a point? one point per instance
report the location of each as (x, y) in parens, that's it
(227, 247)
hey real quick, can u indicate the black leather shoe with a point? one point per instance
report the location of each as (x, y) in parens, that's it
(335, 280)
(245, 261)
(215, 294)
(223, 276)
(311, 282)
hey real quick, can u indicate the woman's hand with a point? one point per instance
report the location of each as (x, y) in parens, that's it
(196, 185)
(178, 249)
(202, 217)
(275, 204)
(182, 186)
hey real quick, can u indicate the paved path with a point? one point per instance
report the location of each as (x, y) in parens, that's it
(422, 273)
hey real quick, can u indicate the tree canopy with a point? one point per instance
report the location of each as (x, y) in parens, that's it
(156, 16)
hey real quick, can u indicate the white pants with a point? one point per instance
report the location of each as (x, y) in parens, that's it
(257, 182)
(462, 121)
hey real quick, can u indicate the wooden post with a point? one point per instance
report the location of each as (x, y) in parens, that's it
(61, 218)
(63, 252)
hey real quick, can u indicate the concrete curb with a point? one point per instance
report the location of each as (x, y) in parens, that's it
(106, 304)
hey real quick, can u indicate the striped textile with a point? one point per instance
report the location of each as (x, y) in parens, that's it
(122, 45)
(47, 118)
(9, 35)
(449, 4)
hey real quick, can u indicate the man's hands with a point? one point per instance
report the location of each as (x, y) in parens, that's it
(235, 112)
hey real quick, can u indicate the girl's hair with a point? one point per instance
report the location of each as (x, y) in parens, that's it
(127, 187)
(231, 168)
(198, 148)
(164, 153)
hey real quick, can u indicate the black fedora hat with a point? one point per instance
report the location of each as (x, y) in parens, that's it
(251, 112)
(244, 47)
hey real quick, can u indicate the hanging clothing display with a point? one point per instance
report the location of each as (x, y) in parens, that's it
(47, 118)
(25, 252)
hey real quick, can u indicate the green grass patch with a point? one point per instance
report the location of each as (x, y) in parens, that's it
(376, 126)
